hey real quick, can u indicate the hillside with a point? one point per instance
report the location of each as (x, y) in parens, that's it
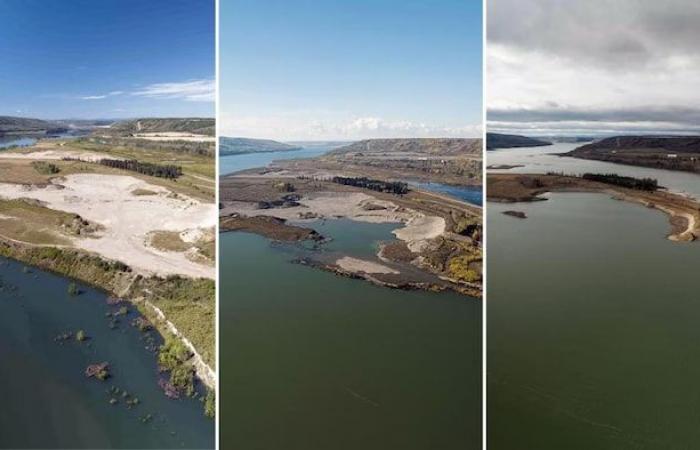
(428, 146)
(496, 140)
(661, 152)
(441, 160)
(24, 125)
(239, 146)
(193, 125)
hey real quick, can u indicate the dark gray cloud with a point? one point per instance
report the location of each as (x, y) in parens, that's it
(594, 66)
(618, 35)
(657, 114)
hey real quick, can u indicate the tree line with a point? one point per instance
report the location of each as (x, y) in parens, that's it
(393, 187)
(156, 170)
(642, 184)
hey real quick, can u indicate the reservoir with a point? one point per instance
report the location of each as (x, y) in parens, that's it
(314, 360)
(47, 400)
(235, 163)
(592, 333)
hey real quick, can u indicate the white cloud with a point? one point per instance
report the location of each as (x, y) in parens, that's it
(100, 97)
(193, 90)
(290, 126)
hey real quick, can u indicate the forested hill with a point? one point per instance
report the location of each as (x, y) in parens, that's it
(24, 125)
(496, 140)
(239, 146)
(670, 144)
(437, 146)
(193, 125)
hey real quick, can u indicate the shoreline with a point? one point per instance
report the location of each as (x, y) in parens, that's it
(118, 284)
(683, 212)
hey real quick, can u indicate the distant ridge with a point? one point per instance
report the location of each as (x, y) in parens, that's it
(239, 146)
(674, 144)
(660, 152)
(194, 125)
(497, 140)
(25, 125)
(444, 146)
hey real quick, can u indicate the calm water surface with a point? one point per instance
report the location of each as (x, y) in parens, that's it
(593, 319)
(48, 402)
(314, 360)
(234, 163)
(545, 159)
(15, 141)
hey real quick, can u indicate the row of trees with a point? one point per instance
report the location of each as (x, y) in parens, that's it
(642, 184)
(393, 187)
(155, 170)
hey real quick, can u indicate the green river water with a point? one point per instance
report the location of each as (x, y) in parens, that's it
(311, 360)
(593, 320)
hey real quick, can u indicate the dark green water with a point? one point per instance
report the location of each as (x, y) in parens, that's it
(311, 360)
(47, 402)
(593, 333)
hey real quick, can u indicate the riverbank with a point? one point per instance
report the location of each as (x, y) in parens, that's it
(437, 245)
(683, 212)
(156, 298)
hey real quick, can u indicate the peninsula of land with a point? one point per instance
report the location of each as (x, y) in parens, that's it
(437, 246)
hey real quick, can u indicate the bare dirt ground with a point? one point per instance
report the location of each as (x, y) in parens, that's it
(127, 219)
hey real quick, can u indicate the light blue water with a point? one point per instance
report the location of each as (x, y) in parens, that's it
(14, 141)
(235, 163)
(470, 194)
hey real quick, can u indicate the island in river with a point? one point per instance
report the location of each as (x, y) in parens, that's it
(128, 208)
(438, 243)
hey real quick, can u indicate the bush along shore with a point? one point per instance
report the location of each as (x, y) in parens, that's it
(119, 281)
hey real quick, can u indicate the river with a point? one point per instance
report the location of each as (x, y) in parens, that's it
(235, 163)
(47, 400)
(314, 360)
(593, 313)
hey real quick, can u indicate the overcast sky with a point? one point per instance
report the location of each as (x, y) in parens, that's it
(593, 67)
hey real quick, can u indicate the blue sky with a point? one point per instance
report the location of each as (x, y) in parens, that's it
(325, 69)
(107, 58)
